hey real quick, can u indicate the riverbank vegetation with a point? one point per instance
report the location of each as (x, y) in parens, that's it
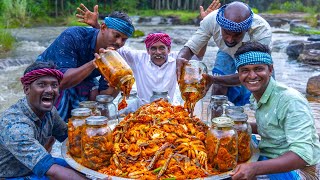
(29, 13)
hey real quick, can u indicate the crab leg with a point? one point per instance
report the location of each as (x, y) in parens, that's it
(157, 154)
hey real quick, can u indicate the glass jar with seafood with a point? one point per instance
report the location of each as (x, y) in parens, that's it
(222, 145)
(75, 125)
(92, 105)
(97, 146)
(244, 131)
(192, 84)
(117, 72)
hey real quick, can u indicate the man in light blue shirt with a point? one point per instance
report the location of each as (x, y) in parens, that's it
(289, 145)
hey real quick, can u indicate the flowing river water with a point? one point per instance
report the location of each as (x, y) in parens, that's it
(32, 41)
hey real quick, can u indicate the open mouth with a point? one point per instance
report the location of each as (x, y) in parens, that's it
(47, 100)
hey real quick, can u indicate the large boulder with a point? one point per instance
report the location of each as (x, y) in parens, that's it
(313, 86)
(305, 51)
(294, 49)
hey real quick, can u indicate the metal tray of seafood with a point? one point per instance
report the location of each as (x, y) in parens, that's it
(96, 175)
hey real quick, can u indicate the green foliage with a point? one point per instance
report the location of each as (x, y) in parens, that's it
(292, 6)
(14, 13)
(312, 20)
(6, 41)
(138, 33)
(303, 31)
(126, 5)
(255, 10)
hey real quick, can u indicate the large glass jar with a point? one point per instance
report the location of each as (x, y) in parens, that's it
(244, 131)
(107, 107)
(222, 145)
(192, 84)
(133, 104)
(97, 146)
(117, 72)
(75, 125)
(91, 105)
(160, 95)
(216, 106)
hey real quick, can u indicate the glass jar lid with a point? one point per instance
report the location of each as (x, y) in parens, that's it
(238, 117)
(96, 120)
(81, 112)
(219, 98)
(156, 92)
(88, 104)
(231, 109)
(104, 98)
(222, 121)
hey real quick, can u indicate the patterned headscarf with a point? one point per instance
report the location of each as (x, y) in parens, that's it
(119, 25)
(155, 37)
(233, 26)
(253, 57)
(32, 76)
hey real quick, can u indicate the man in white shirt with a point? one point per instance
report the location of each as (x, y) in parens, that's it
(230, 26)
(154, 69)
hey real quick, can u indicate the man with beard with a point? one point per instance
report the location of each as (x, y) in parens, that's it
(230, 26)
(30, 127)
(74, 54)
(289, 146)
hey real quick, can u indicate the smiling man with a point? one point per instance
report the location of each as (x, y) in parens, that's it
(29, 128)
(74, 54)
(229, 26)
(289, 146)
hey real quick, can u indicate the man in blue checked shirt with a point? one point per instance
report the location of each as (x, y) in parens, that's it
(29, 128)
(74, 54)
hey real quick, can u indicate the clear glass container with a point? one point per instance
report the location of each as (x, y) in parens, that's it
(234, 109)
(107, 107)
(117, 72)
(222, 145)
(75, 125)
(133, 104)
(91, 105)
(217, 105)
(192, 84)
(97, 146)
(244, 131)
(160, 95)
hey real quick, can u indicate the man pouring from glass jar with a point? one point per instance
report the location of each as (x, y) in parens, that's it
(74, 54)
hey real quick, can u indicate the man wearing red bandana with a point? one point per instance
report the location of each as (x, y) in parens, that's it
(30, 127)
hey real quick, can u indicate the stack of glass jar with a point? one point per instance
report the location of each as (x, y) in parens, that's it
(75, 126)
(222, 145)
(96, 143)
(229, 135)
(244, 132)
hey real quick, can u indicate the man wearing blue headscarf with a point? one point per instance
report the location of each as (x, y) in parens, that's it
(74, 53)
(289, 146)
(230, 26)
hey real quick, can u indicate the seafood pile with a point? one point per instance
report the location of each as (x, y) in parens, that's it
(159, 141)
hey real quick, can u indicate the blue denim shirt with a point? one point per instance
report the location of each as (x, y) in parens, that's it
(73, 48)
(22, 139)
